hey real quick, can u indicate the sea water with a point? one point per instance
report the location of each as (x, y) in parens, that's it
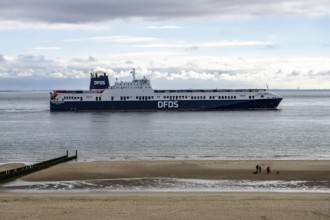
(299, 129)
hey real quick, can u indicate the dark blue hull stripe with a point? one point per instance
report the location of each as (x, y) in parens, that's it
(178, 105)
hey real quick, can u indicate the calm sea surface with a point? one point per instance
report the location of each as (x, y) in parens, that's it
(300, 129)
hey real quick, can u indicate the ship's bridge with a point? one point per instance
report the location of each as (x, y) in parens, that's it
(135, 84)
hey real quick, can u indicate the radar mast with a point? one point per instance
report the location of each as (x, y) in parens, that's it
(133, 74)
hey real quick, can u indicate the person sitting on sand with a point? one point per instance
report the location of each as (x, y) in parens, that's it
(268, 170)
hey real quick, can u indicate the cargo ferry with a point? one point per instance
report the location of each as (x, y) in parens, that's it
(138, 95)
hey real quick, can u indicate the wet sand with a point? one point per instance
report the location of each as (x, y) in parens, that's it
(191, 205)
(314, 171)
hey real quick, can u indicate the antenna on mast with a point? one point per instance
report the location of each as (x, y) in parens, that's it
(267, 86)
(133, 73)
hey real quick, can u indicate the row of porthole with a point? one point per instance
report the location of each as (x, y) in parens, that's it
(71, 97)
(165, 97)
(124, 98)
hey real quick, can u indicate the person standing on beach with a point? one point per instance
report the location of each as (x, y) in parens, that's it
(258, 169)
(268, 170)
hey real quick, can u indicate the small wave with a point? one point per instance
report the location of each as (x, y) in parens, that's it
(167, 185)
(23, 110)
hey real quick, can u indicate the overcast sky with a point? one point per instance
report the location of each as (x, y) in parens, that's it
(46, 44)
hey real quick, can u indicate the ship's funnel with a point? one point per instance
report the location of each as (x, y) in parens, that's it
(99, 81)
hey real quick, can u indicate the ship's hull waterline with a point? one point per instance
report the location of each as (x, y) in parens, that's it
(202, 105)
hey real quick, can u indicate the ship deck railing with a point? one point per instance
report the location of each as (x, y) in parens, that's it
(210, 90)
(168, 91)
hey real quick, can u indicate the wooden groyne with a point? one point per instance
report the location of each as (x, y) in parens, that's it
(21, 171)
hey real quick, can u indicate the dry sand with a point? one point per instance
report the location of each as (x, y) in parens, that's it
(165, 206)
(173, 205)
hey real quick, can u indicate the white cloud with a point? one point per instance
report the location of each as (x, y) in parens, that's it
(115, 39)
(47, 48)
(208, 44)
(308, 73)
(235, 43)
(165, 27)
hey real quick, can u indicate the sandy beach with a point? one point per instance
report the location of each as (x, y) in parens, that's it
(170, 205)
(165, 206)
